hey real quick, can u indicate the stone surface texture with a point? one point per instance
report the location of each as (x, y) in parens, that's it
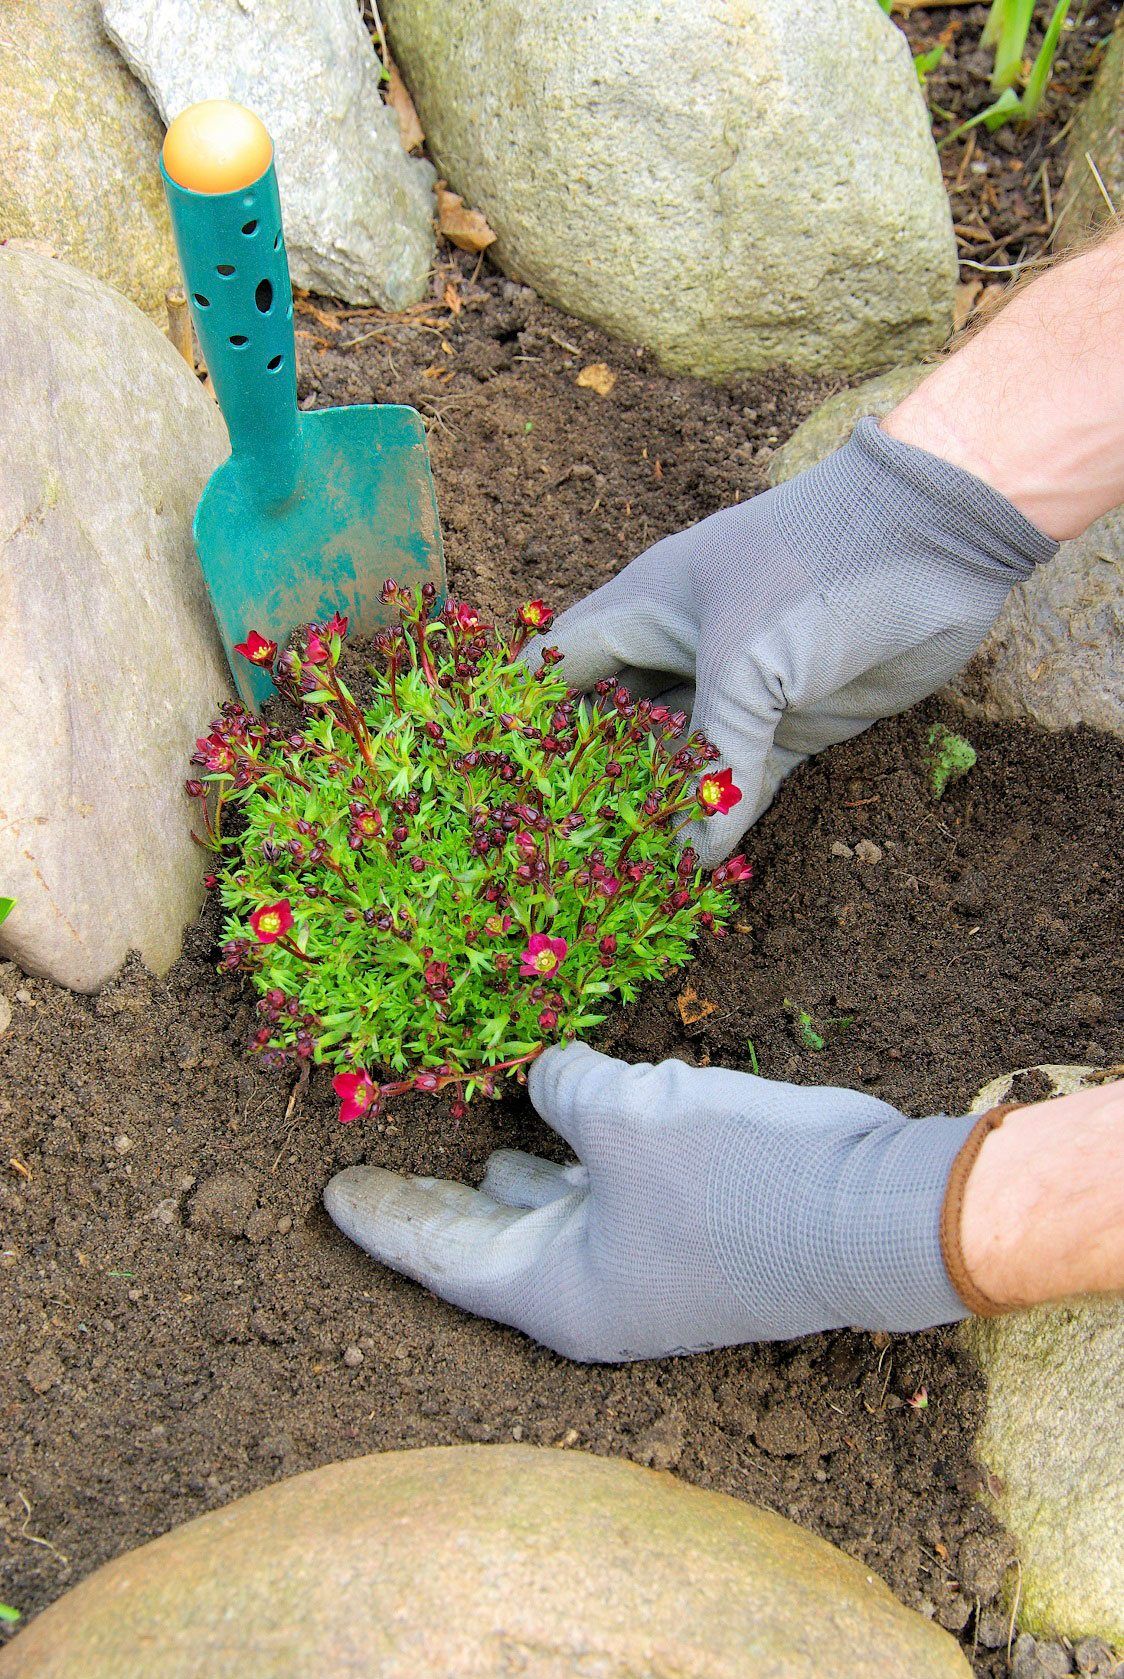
(1053, 1439)
(1096, 139)
(1056, 654)
(730, 187)
(482, 1562)
(109, 659)
(358, 211)
(79, 150)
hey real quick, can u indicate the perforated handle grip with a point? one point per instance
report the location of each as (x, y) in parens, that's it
(231, 247)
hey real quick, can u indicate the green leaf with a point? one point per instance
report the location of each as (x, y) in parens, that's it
(7, 1613)
(1039, 77)
(7, 905)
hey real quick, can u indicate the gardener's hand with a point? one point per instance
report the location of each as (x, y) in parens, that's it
(798, 618)
(709, 1208)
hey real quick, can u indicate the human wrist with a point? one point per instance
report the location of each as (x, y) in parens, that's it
(1042, 1211)
(1033, 404)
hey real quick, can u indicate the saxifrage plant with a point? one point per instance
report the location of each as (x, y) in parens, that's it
(429, 889)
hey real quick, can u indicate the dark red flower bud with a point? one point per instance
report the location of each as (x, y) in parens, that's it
(548, 1019)
(417, 865)
(194, 789)
(608, 945)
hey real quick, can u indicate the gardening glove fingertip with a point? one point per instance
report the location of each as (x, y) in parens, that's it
(437, 1232)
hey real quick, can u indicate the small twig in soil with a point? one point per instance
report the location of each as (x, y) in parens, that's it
(296, 1096)
(1014, 1608)
(1104, 192)
(36, 1538)
(563, 343)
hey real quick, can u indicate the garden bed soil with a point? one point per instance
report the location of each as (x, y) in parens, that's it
(179, 1306)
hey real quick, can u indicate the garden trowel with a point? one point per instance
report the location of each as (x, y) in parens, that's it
(312, 511)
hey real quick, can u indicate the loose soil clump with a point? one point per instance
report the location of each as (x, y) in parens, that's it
(184, 1323)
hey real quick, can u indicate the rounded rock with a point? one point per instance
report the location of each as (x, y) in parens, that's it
(477, 1562)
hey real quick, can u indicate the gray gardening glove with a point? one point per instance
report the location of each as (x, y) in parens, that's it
(800, 617)
(709, 1208)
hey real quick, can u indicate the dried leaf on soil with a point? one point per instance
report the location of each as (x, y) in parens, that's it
(692, 1007)
(465, 228)
(410, 131)
(598, 376)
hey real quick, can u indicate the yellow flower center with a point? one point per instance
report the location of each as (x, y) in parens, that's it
(545, 961)
(270, 923)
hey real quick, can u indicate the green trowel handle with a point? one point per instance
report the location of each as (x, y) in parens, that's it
(232, 252)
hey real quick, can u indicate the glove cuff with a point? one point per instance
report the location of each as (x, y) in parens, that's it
(983, 515)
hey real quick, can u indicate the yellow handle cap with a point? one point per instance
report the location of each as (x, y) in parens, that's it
(217, 146)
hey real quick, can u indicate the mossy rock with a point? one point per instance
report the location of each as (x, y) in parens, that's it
(1053, 1439)
(80, 151)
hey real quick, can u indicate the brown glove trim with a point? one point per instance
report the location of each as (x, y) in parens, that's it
(977, 1302)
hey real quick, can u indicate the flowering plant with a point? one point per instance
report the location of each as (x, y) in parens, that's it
(428, 889)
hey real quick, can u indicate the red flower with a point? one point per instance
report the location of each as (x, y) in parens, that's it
(467, 618)
(337, 625)
(213, 753)
(543, 957)
(272, 921)
(357, 1094)
(315, 651)
(258, 650)
(548, 1019)
(437, 974)
(717, 793)
(732, 871)
(536, 615)
(497, 924)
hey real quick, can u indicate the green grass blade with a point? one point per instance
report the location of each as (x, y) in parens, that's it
(1011, 44)
(1040, 70)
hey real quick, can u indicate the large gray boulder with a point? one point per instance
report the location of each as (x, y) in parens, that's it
(1096, 147)
(1056, 653)
(1053, 1439)
(738, 186)
(109, 659)
(483, 1562)
(358, 211)
(80, 150)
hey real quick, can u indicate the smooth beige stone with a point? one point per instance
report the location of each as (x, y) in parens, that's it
(483, 1562)
(109, 659)
(736, 186)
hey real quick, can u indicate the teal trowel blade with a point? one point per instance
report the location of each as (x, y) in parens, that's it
(313, 511)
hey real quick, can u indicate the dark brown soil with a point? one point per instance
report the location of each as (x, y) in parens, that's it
(180, 1305)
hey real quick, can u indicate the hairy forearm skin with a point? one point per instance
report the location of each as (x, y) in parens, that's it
(1034, 403)
(1043, 1214)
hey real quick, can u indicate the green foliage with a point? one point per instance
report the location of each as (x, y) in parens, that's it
(1008, 25)
(7, 905)
(754, 1066)
(8, 1614)
(949, 757)
(926, 62)
(812, 1034)
(470, 866)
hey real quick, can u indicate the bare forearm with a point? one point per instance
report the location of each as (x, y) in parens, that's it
(1034, 403)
